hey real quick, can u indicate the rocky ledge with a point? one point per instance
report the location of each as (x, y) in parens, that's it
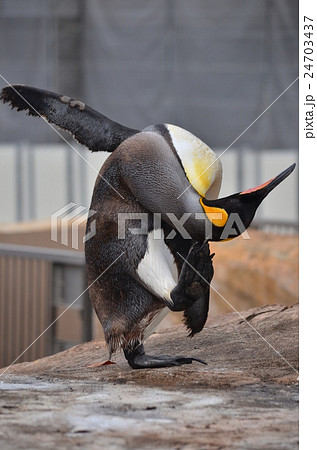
(245, 398)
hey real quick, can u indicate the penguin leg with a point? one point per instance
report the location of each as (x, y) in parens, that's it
(138, 359)
(194, 280)
(192, 295)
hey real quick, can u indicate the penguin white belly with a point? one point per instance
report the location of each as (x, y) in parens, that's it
(157, 269)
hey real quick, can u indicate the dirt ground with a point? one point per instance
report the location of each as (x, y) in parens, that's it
(245, 398)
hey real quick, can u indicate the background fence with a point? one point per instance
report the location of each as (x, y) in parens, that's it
(38, 285)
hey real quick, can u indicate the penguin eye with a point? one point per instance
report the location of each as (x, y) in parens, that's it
(217, 216)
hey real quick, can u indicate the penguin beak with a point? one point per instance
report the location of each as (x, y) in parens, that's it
(232, 215)
(264, 189)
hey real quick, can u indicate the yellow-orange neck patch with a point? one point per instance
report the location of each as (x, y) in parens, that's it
(217, 216)
(201, 164)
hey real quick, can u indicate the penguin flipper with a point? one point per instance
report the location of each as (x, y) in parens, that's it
(88, 127)
(196, 315)
(193, 286)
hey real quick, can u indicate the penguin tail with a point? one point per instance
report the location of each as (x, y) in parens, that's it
(87, 126)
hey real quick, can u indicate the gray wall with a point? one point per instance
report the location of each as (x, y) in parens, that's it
(210, 66)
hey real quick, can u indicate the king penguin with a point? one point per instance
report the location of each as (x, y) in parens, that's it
(168, 181)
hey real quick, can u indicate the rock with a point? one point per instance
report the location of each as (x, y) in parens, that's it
(245, 398)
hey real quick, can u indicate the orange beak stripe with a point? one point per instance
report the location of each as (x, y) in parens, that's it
(217, 216)
(257, 187)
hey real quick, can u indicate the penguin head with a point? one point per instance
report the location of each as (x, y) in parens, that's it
(201, 165)
(232, 215)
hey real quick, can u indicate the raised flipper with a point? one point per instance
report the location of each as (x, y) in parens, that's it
(138, 359)
(88, 127)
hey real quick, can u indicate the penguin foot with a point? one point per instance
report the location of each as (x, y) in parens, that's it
(138, 359)
(194, 279)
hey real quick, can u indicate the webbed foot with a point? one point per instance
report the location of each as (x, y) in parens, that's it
(138, 359)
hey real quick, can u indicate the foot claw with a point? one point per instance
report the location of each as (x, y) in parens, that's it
(186, 360)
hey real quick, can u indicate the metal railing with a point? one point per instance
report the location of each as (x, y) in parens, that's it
(37, 286)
